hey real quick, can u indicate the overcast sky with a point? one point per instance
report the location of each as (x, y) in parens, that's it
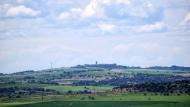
(34, 33)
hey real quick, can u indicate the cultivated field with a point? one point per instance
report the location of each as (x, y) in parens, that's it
(111, 100)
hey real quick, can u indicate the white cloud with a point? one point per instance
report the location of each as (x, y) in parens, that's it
(152, 27)
(20, 1)
(185, 23)
(91, 9)
(174, 18)
(64, 15)
(97, 7)
(72, 13)
(4, 8)
(108, 2)
(186, 19)
(141, 9)
(148, 4)
(76, 10)
(114, 37)
(127, 2)
(106, 27)
(21, 11)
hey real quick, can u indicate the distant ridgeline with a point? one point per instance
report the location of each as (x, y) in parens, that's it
(173, 67)
(115, 66)
(108, 66)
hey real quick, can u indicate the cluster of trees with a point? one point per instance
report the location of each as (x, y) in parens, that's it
(43, 82)
(13, 92)
(136, 79)
(69, 92)
(177, 87)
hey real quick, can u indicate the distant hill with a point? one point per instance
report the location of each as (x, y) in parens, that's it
(107, 66)
(173, 67)
(100, 67)
(115, 66)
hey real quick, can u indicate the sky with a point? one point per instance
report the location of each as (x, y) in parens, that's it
(36, 33)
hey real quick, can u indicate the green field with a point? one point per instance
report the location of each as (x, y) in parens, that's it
(79, 88)
(105, 104)
(110, 100)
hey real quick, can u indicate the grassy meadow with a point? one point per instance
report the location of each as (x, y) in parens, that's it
(79, 88)
(109, 100)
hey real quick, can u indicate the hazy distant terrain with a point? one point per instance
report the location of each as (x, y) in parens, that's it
(111, 83)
